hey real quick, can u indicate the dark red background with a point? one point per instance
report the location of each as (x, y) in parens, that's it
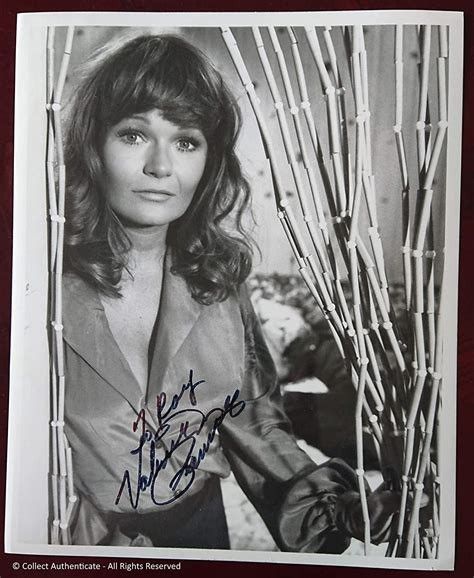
(465, 529)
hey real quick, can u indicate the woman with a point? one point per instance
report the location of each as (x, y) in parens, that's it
(170, 385)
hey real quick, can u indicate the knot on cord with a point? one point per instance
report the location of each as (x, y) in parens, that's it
(55, 218)
(362, 117)
(57, 423)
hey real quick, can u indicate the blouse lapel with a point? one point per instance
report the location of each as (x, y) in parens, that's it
(177, 315)
(87, 331)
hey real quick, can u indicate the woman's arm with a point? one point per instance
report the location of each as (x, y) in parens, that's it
(307, 507)
(295, 497)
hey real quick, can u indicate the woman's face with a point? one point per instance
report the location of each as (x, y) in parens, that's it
(152, 168)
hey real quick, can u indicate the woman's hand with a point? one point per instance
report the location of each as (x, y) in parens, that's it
(382, 505)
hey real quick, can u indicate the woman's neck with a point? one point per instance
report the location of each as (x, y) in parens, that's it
(148, 247)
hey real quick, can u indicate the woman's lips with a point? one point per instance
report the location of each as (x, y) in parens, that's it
(156, 195)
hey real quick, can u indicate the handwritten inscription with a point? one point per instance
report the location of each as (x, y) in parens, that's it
(191, 422)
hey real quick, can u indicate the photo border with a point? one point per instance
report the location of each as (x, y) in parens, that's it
(203, 19)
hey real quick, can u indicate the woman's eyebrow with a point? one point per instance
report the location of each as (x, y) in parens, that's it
(140, 117)
(146, 120)
(191, 130)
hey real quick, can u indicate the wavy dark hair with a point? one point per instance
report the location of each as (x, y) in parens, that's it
(166, 73)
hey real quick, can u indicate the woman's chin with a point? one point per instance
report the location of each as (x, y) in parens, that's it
(143, 222)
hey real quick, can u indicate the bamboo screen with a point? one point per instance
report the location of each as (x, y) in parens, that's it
(397, 374)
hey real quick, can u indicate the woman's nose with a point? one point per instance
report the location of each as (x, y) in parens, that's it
(158, 162)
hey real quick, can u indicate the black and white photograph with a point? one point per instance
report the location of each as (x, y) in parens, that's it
(235, 287)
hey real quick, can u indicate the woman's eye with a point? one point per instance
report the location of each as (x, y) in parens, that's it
(187, 145)
(131, 137)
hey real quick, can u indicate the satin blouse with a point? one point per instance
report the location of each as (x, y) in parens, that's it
(212, 405)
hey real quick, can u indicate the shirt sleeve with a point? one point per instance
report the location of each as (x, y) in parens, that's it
(295, 497)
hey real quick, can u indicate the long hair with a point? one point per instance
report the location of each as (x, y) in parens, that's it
(165, 73)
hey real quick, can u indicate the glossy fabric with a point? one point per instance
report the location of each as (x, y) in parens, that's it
(196, 520)
(223, 345)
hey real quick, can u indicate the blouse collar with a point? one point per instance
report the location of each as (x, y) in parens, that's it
(86, 330)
